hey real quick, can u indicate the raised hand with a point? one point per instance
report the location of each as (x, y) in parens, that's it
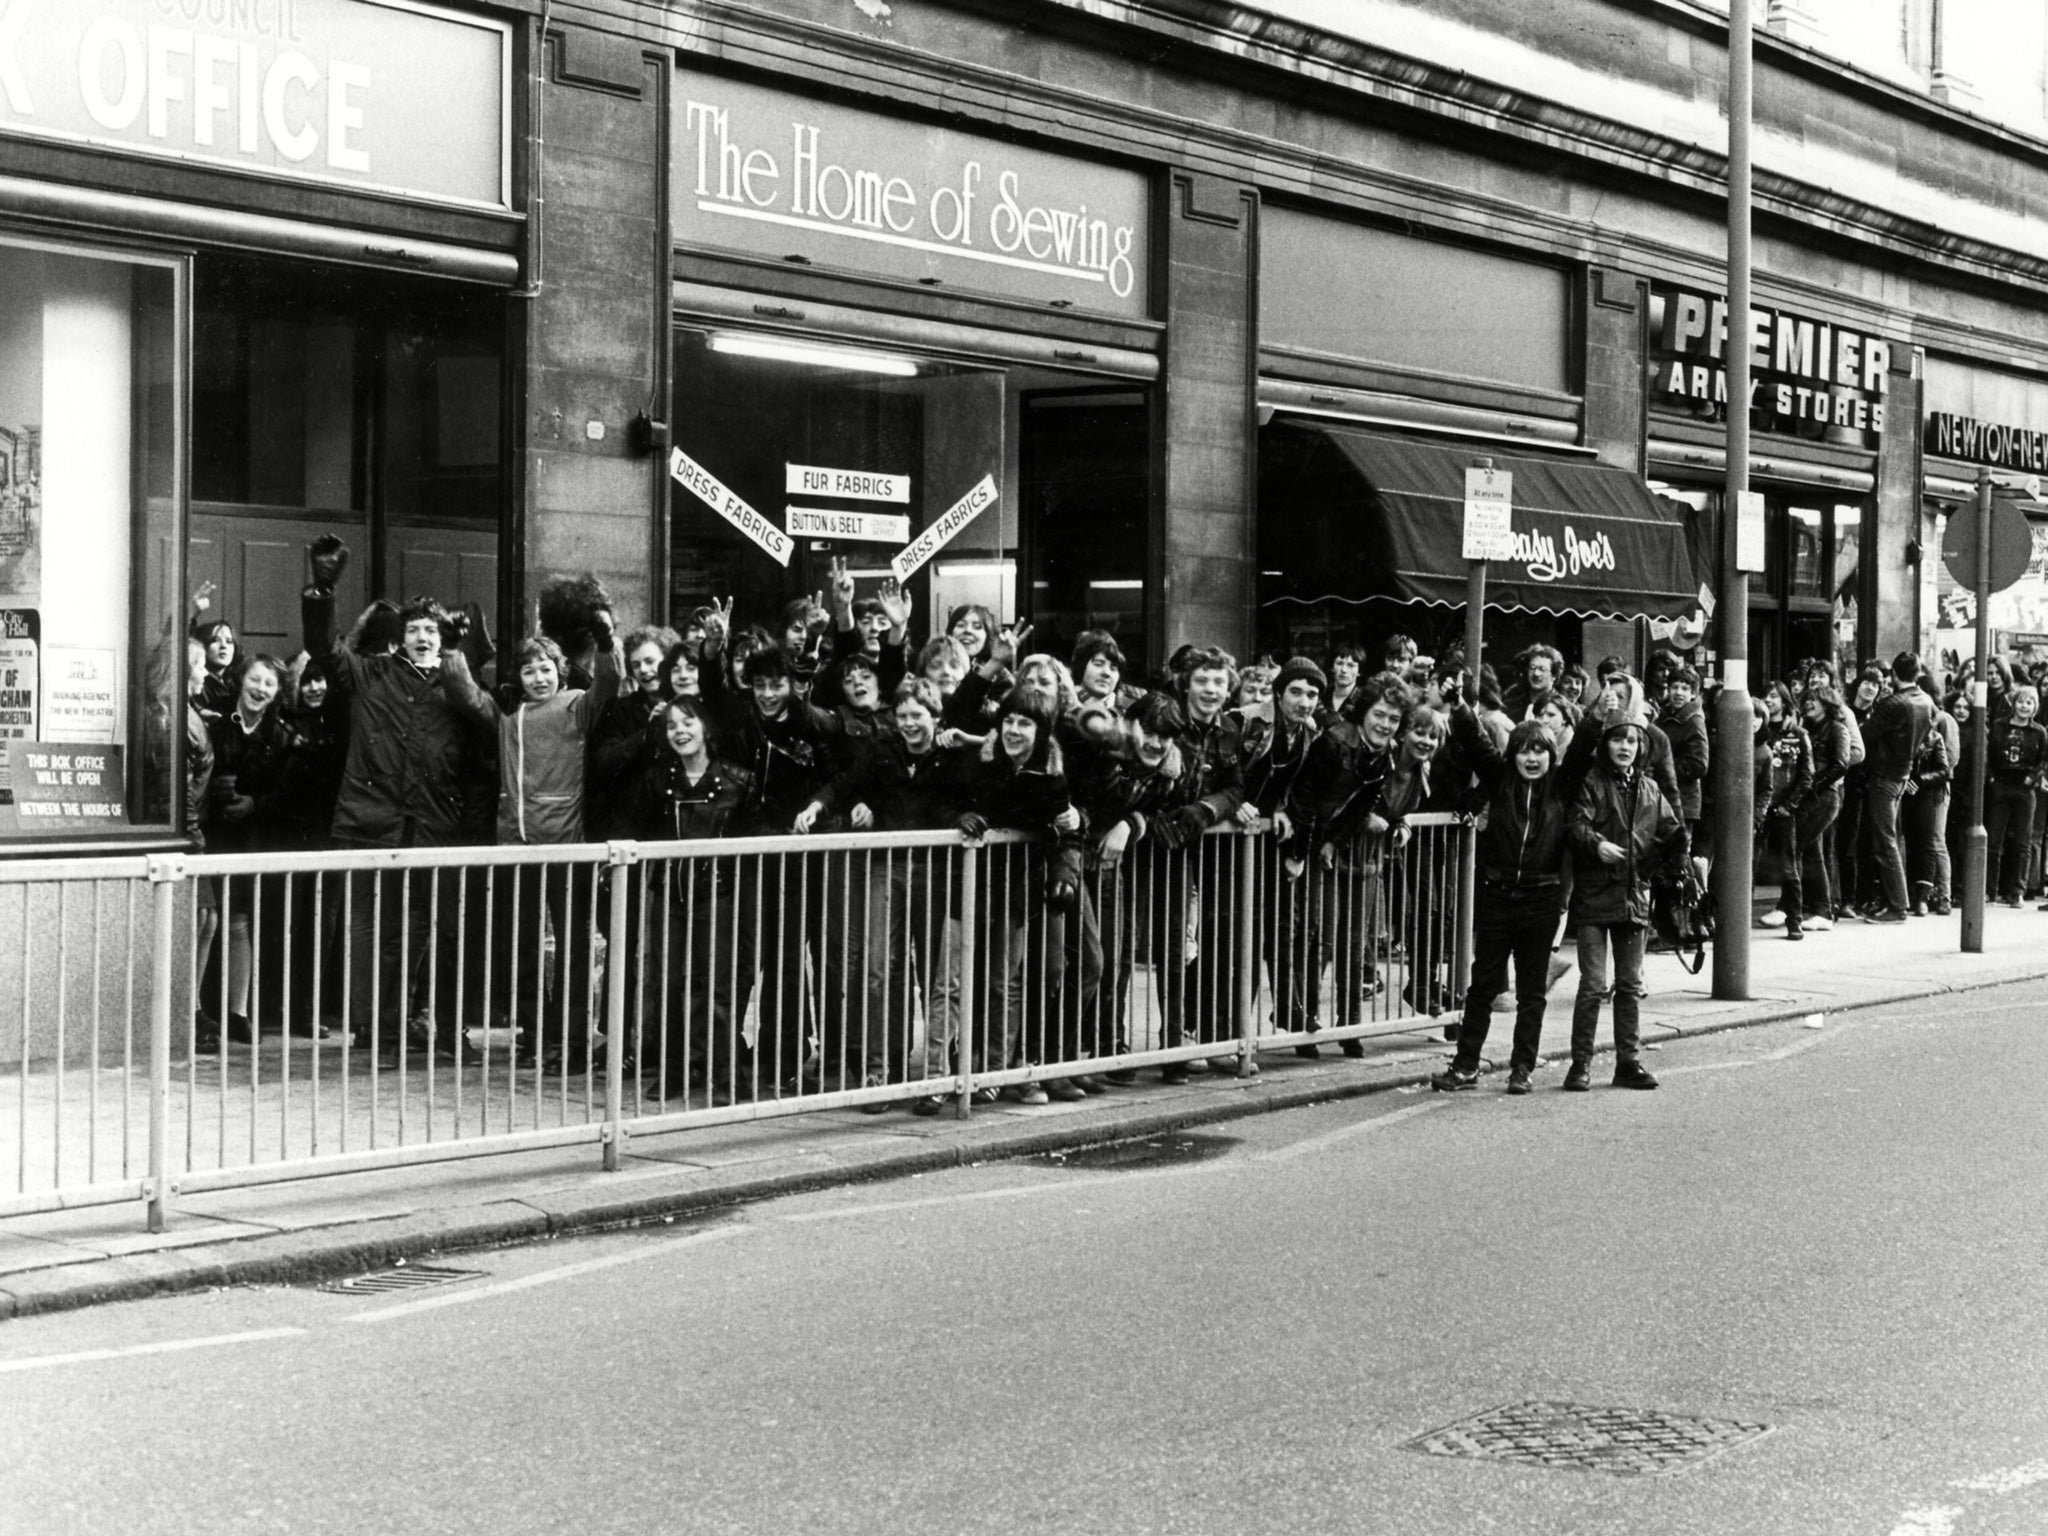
(202, 599)
(718, 622)
(326, 559)
(840, 580)
(896, 603)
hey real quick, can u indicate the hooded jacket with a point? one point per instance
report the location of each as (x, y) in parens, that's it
(542, 754)
(1630, 811)
(1657, 758)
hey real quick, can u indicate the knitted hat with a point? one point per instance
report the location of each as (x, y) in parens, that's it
(1301, 669)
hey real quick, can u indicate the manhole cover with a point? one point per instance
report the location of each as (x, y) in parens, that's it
(1629, 1442)
(1173, 1147)
(403, 1277)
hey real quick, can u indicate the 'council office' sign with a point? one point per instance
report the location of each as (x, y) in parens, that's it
(1809, 378)
(376, 94)
(778, 175)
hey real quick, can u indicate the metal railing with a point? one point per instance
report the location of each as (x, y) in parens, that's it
(484, 1000)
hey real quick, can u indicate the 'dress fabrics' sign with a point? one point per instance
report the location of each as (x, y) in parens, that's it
(777, 175)
(360, 93)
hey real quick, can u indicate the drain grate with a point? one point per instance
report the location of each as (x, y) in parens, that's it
(1628, 1442)
(1173, 1147)
(402, 1277)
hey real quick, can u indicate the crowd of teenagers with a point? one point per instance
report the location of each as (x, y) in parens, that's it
(1586, 789)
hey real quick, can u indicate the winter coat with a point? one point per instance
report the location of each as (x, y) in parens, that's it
(198, 774)
(1110, 789)
(668, 807)
(1274, 756)
(316, 769)
(259, 764)
(905, 791)
(1630, 811)
(1338, 791)
(402, 782)
(1784, 770)
(543, 752)
(622, 748)
(1522, 829)
(1021, 800)
(1658, 759)
(2015, 754)
(1686, 730)
(1212, 753)
(788, 760)
(1898, 724)
(1830, 746)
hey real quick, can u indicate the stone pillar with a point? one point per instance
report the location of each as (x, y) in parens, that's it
(1617, 309)
(1897, 589)
(1204, 534)
(598, 326)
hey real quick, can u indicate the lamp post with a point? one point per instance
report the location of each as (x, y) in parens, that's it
(1734, 789)
(1976, 855)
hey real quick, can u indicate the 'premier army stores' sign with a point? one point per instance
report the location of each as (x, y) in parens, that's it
(1809, 377)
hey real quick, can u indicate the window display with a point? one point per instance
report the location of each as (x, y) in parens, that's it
(91, 654)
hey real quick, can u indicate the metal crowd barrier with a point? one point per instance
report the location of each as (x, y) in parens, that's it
(479, 1000)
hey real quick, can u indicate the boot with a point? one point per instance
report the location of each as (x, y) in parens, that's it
(1580, 1078)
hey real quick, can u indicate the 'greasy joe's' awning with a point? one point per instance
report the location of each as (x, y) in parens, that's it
(1349, 514)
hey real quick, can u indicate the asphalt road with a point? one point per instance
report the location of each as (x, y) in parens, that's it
(1830, 1237)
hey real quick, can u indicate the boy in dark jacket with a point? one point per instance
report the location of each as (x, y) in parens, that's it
(1621, 828)
(1276, 752)
(1784, 780)
(684, 792)
(2016, 756)
(1684, 724)
(1335, 820)
(901, 782)
(401, 787)
(1017, 782)
(1520, 892)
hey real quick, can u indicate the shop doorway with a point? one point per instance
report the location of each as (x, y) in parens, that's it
(1086, 488)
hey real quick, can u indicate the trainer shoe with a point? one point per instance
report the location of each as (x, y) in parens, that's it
(1773, 919)
(1455, 1079)
(1891, 915)
(1633, 1074)
(1821, 924)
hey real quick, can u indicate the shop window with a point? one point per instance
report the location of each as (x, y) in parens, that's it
(92, 663)
(366, 403)
(819, 451)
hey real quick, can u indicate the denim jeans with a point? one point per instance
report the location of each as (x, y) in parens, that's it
(1881, 799)
(1518, 925)
(1816, 819)
(1594, 941)
(1925, 816)
(2008, 821)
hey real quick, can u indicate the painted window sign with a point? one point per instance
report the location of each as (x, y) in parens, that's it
(777, 175)
(1809, 377)
(377, 94)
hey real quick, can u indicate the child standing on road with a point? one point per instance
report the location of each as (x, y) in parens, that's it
(1520, 892)
(1621, 827)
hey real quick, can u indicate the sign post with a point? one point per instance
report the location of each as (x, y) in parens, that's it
(1734, 786)
(1488, 535)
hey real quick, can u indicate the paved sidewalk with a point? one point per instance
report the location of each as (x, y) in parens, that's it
(320, 1228)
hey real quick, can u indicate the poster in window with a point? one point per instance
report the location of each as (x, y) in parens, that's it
(20, 681)
(65, 787)
(78, 694)
(21, 510)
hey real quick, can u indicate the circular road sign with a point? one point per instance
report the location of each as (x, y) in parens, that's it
(2012, 544)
